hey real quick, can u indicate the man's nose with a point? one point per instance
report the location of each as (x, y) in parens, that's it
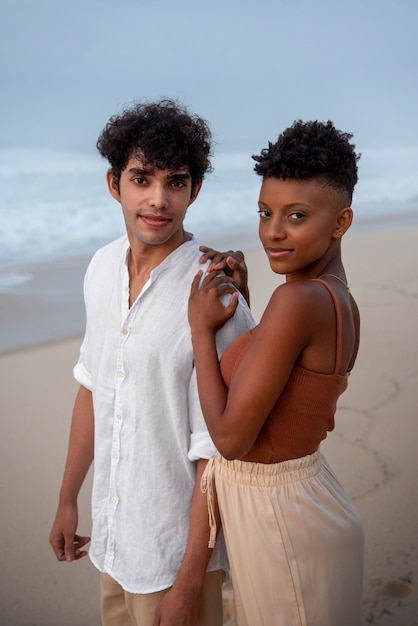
(158, 196)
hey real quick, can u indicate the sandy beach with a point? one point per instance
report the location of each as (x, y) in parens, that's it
(374, 448)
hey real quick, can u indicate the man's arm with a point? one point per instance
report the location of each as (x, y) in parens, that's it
(63, 538)
(180, 606)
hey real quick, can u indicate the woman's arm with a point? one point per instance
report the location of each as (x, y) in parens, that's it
(235, 417)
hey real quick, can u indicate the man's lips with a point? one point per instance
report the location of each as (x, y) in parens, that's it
(154, 220)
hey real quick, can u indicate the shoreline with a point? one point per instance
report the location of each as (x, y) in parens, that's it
(45, 303)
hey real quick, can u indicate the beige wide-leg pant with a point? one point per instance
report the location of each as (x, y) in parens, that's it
(294, 541)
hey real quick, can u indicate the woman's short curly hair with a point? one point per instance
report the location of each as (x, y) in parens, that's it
(309, 150)
(163, 134)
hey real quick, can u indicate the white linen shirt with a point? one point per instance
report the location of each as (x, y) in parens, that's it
(149, 428)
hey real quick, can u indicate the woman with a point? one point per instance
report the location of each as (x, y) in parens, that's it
(294, 539)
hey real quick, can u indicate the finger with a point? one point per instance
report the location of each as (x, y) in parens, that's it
(80, 541)
(69, 547)
(58, 548)
(214, 280)
(195, 283)
(234, 261)
(219, 266)
(232, 304)
(224, 288)
(219, 260)
(208, 254)
(238, 255)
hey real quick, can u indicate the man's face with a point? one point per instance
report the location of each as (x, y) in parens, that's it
(154, 203)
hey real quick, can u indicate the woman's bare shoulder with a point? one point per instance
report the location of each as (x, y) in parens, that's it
(298, 293)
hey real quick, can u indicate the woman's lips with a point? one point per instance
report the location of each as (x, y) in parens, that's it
(278, 253)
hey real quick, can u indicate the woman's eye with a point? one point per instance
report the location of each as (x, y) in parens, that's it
(263, 213)
(296, 216)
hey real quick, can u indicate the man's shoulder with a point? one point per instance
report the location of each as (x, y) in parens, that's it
(186, 256)
(107, 258)
(117, 245)
(113, 249)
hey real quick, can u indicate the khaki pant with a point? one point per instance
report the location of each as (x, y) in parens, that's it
(294, 541)
(120, 608)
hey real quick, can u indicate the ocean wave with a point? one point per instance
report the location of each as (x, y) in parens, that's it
(55, 204)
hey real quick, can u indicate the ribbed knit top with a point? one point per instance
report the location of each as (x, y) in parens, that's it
(304, 411)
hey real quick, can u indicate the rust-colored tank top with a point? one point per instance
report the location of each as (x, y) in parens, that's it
(304, 412)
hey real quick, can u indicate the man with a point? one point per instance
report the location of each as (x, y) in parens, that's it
(137, 411)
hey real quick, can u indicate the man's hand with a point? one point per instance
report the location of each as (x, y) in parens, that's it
(232, 263)
(179, 607)
(64, 541)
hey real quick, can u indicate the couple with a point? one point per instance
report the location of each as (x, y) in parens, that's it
(173, 432)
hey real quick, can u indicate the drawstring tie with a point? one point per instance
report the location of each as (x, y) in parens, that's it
(207, 485)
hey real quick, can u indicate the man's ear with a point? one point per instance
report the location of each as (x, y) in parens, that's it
(343, 223)
(196, 187)
(113, 185)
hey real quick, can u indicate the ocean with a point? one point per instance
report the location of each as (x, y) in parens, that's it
(55, 209)
(55, 205)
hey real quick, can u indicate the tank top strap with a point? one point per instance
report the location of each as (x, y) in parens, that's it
(338, 315)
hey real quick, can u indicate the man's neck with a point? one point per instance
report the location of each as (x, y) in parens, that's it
(143, 258)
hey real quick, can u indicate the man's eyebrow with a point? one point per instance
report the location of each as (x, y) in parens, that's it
(143, 171)
(181, 174)
(140, 171)
(181, 170)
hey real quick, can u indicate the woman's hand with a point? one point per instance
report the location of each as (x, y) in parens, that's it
(207, 311)
(232, 263)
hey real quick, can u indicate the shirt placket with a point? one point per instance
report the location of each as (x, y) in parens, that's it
(118, 418)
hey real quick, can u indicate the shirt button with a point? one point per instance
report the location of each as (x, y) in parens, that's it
(125, 331)
(114, 499)
(121, 374)
(115, 455)
(119, 417)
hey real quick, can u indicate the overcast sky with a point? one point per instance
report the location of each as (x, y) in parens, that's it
(250, 67)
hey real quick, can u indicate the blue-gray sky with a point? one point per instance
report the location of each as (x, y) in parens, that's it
(249, 67)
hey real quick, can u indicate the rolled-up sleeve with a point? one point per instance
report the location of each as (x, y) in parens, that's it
(82, 375)
(201, 444)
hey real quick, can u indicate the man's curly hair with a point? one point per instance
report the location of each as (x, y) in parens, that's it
(163, 134)
(308, 150)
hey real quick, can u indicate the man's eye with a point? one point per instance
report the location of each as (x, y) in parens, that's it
(139, 181)
(178, 183)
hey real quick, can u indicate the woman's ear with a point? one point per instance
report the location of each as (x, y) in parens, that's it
(343, 222)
